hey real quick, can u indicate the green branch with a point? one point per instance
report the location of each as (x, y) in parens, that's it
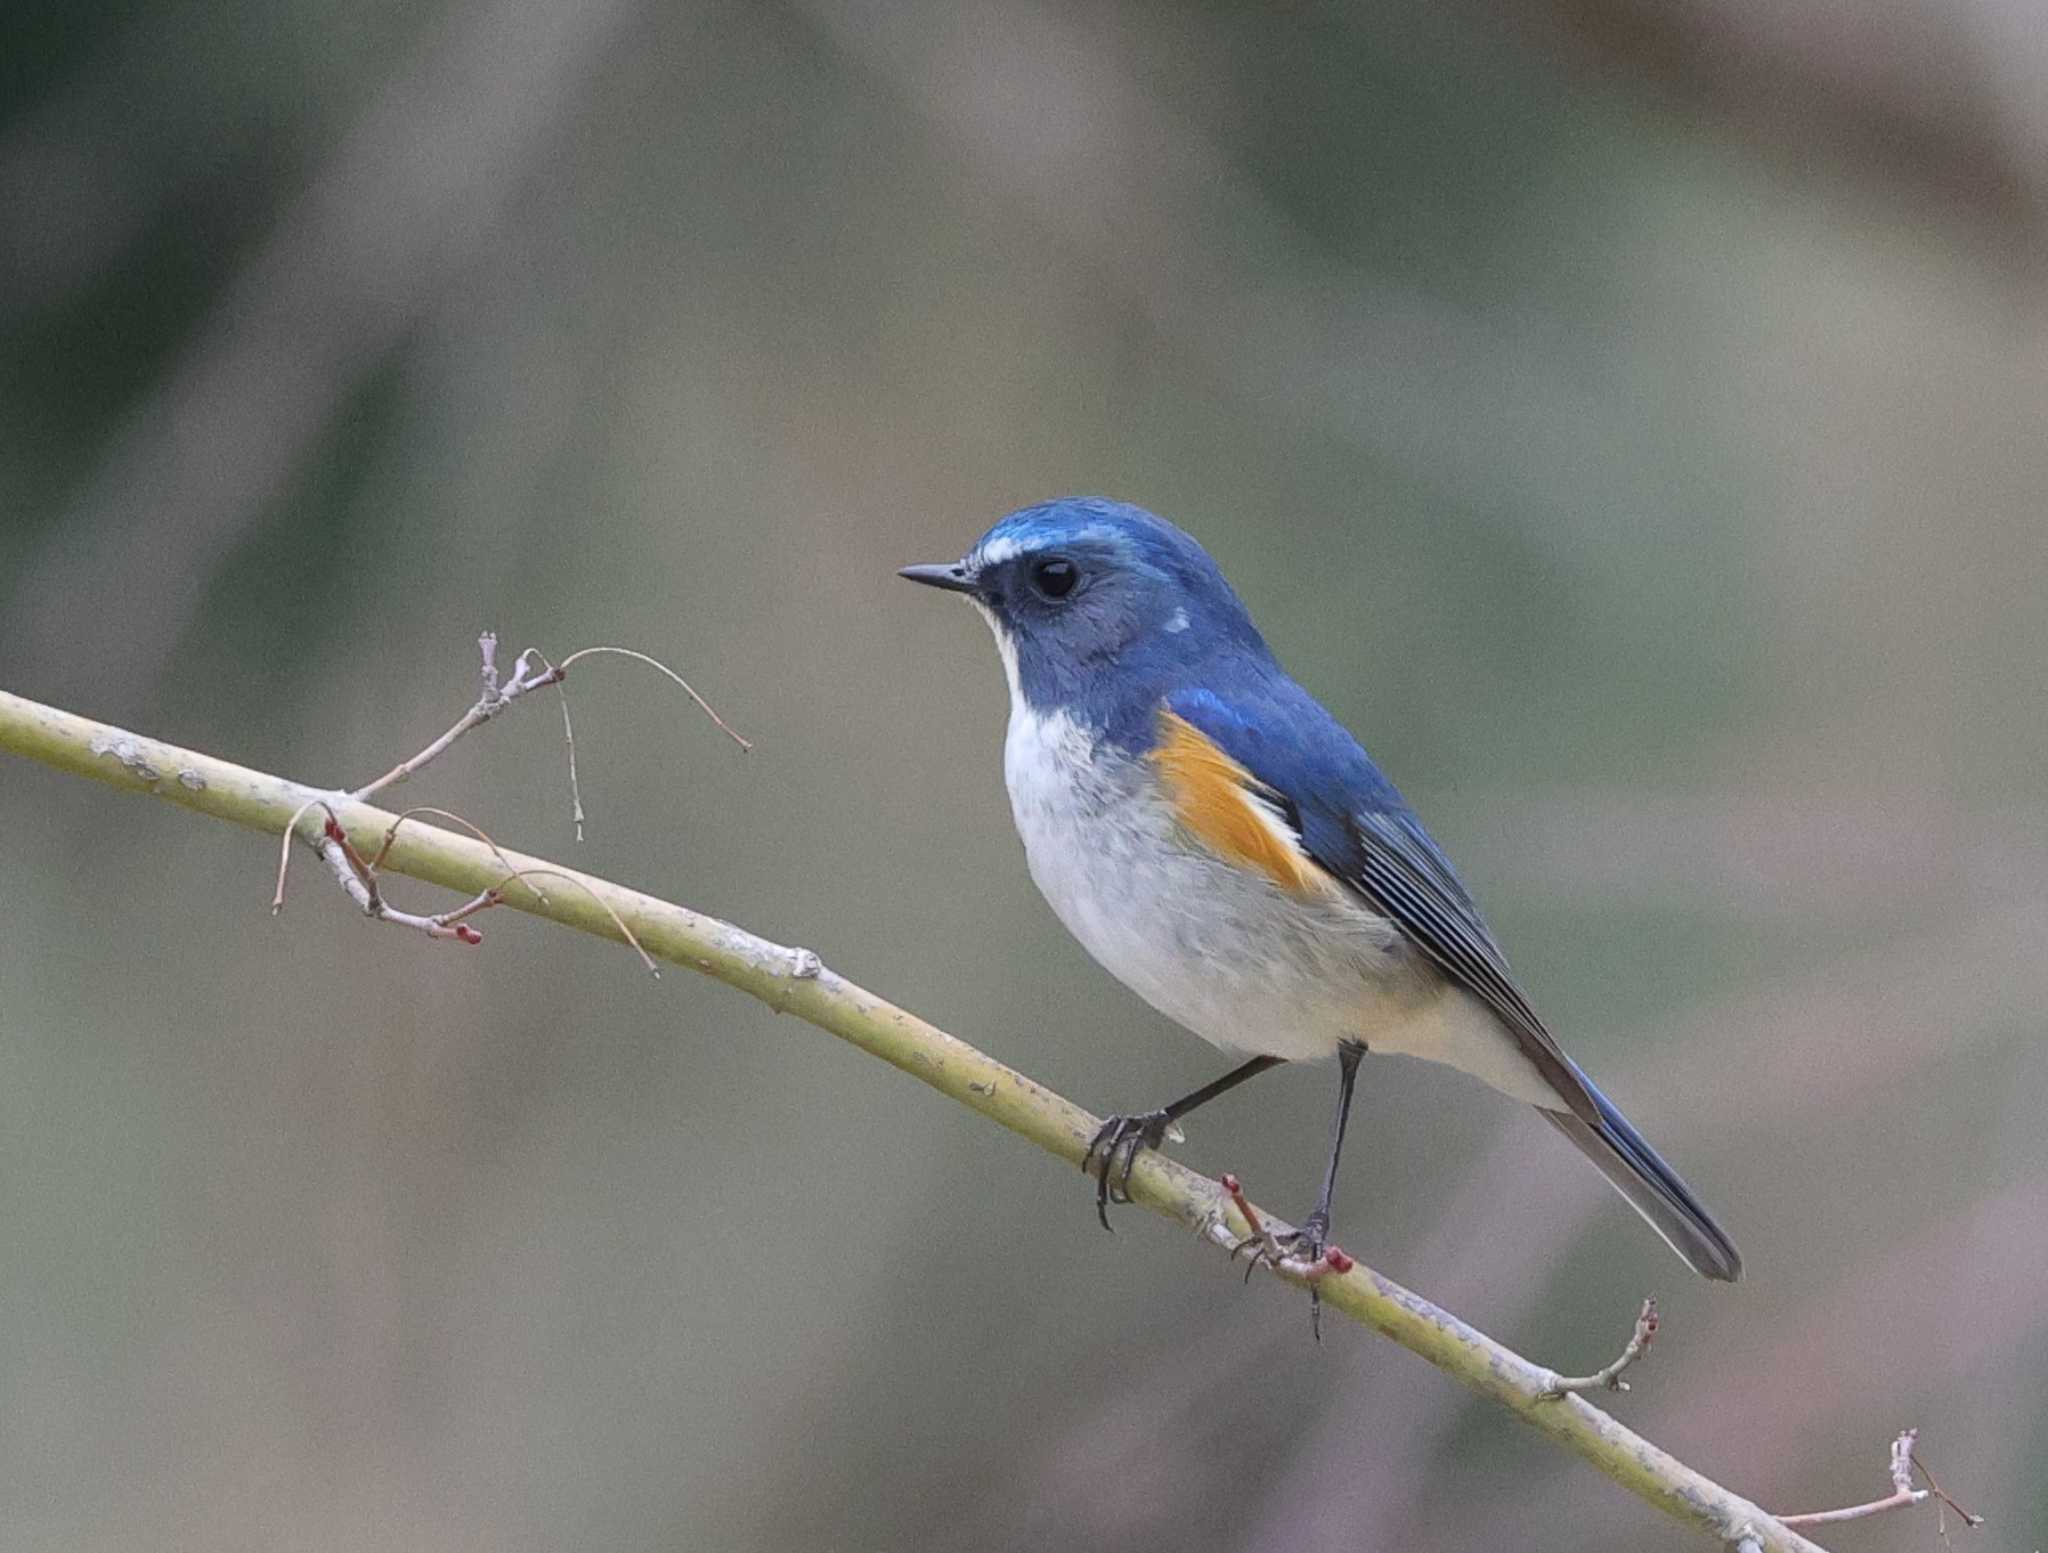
(793, 981)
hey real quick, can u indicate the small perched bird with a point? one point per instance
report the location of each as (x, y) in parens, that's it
(1224, 848)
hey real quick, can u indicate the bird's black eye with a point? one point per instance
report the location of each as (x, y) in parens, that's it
(1055, 578)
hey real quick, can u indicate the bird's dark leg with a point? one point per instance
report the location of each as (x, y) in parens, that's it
(1114, 1149)
(1309, 1241)
(1311, 1238)
(1317, 1225)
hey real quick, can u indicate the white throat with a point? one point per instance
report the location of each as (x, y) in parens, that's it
(1006, 649)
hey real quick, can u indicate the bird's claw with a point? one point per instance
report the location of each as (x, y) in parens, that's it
(1261, 1248)
(1308, 1244)
(1265, 1249)
(1260, 1244)
(1113, 1152)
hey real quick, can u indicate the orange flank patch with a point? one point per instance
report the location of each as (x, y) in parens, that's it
(1223, 806)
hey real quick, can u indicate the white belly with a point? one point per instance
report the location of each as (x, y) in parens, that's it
(1243, 964)
(1239, 962)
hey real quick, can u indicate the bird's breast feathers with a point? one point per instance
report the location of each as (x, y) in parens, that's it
(1180, 880)
(1070, 788)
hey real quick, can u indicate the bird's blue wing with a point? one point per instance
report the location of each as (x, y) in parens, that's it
(1355, 825)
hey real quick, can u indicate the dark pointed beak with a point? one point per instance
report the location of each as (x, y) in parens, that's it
(954, 578)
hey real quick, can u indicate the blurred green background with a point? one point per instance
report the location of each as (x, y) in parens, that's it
(1627, 416)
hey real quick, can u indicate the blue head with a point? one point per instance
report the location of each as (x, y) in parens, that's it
(1097, 605)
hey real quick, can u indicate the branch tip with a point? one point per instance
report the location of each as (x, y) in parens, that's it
(569, 739)
(284, 850)
(1903, 1495)
(1940, 1493)
(618, 921)
(1609, 1375)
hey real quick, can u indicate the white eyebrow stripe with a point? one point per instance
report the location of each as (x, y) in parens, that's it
(1007, 547)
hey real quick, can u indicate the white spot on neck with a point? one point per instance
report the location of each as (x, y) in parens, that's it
(1177, 622)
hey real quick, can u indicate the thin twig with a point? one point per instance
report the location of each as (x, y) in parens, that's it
(1940, 1493)
(617, 921)
(450, 815)
(1260, 1241)
(480, 713)
(569, 739)
(531, 670)
(358, 877)
(1609, 1375)
(1903, 1495)
(707, 708)
(483, 902)
(493, 699)
(356, 861)
(284, 850)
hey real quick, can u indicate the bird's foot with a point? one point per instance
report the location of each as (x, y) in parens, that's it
(1308, 1247)
(1114, 1151)
(1264, 1247)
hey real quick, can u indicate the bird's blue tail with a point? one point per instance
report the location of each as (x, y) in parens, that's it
(1652, 1187)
